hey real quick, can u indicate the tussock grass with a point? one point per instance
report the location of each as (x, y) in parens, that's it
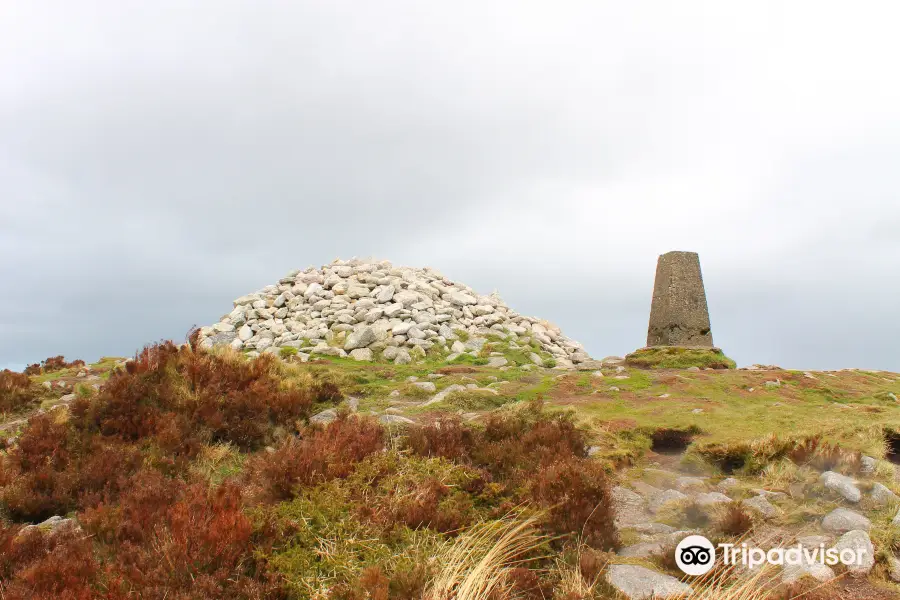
(477, 565)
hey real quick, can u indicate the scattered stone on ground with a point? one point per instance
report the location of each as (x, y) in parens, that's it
(858, 541)
(881, 495)
(640, 583)
(842, 485)
(842, 520)
(711, 499)
(867, 465)
(761, 506)
(658, 501)
(426, 386)
(394, 420)
(815, 569)
(325, 417)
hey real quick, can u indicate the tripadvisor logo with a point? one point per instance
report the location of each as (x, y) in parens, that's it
(696, 555)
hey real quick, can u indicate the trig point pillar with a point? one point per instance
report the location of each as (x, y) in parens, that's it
(679, 315)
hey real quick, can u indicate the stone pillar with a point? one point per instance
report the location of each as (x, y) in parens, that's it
(679, 315)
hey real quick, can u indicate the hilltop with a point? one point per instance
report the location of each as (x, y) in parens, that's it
(296, 469)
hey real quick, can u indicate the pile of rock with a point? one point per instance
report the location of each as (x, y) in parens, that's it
(373, 309)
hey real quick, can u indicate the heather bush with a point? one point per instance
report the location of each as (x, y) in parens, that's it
(37, 564)
(577, 496)
(322, 454)
(197, 396)
(447, 437)
(17, 392)
(52, 471)
(52, 364)
(736, 520)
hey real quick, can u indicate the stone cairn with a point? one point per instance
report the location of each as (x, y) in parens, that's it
(679, 315)
(374, 310)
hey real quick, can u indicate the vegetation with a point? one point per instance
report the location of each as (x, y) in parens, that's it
(51, 365)
(674, 357)
(17, 392)
(196, 474)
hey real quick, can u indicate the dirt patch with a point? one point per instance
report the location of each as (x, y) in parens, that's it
(892, 438)
(671, 441)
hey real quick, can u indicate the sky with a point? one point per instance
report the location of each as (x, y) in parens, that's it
(159, 159)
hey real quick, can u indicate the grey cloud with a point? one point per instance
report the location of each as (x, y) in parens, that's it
(158, 160)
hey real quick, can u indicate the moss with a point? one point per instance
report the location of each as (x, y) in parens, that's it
(472, 400)
(468, 359)
(287, 352)
(673, 357)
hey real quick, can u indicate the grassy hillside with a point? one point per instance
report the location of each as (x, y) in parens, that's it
(204, 474)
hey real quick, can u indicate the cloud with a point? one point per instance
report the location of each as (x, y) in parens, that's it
(158, 160)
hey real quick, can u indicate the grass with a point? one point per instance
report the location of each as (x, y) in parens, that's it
(477, 566)
(674, 357)
(473, 400)
(737, 410)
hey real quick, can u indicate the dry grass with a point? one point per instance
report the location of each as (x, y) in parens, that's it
(477, 565)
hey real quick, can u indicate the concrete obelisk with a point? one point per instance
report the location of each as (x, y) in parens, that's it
(679, 315)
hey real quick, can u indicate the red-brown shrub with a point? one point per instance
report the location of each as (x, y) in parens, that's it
(47, 566)
(33, 369)
(43, 443)
(736, 520)
(447, 437)
(217, 398)
(432, 504)
(510, 445)
(168, 538)
(16, 391)
(51, 364)
(58, 363)
(324, 453)
(524, 440)
(577, 496)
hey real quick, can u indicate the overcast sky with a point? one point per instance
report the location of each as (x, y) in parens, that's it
(159, 159)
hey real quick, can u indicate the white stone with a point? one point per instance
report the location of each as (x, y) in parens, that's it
(363, 354)
(360, 338)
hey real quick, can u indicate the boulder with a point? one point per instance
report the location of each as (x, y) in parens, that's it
(858, 542)
(882, 496)
(841, 485)
(658, 501)
(325, 417)
(761, 506)
(640, 583)
(363, 354)
(842, 520)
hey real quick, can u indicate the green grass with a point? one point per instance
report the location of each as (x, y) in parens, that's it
(472, 400)
(732, 415)
(673, 357)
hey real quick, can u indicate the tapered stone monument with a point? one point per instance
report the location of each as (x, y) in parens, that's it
(679, 315)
